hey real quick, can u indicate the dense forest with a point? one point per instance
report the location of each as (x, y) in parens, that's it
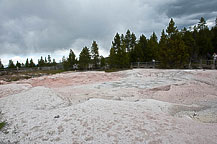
(175, 49)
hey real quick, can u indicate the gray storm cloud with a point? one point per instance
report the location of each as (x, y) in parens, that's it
(30, 26)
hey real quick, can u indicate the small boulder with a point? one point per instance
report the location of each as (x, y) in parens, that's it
(57, 116)
(195, 114)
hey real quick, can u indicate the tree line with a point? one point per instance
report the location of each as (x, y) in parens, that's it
(175, 49)
(30, 64)
(88, 58)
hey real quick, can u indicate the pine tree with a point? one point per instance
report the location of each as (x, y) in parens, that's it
(65, 63)
(172, 29)
(214, 37)
(133, 41)
(31, 64)
(84, 58)
(133, 44)
(54, 62)
(1, 65)
(177, 53)
(115, 49)
(41, 62)
(45, 61)
(146, 55)
(11, 64)
(196, 49)
(116, 44)
(112, 58)
(49, 59)
(18, 65)
(163, 50)
(102, 62)
(123, 58)
(128, 41)
(203, 39)
(27, 63)
(181, 57)
(190, 44)
(216, 22)
(95, 54)
(153, 46)
(202, 24)
(71, 59)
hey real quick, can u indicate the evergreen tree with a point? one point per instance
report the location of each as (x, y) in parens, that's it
(102, 62)
(27, 63)
(142, 52)
(190, 44)
(11, 64)
(71, 59)
(123, 58)
(177, 50)
(115, 51)
(116, 44)
(145, 53)
(214, 37)
(112, 58)
(132, 48)
(133, 41)
(216, 22)
(41, 62)
(203, 39)
(65, 63)
(18, 64)
(1, 65)
(153, 46)
(45, 61)
(54, 62)
(31, 64)
(128, 41)
(196, 49)
(202, 24)
(95, 54)
(172, 29)
(84, 58)
(180, 53)
(163, 50)
(49, 59)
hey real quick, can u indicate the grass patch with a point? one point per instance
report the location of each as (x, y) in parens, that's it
(115, 70)
(29, 74)
(53, 71)
(39, 72)
(2, 124)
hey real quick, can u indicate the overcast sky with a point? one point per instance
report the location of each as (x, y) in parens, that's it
(31, 28)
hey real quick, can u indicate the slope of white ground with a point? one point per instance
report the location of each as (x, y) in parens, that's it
(135, 106)
(9, 89)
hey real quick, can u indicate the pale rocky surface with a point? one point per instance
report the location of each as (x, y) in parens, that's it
(134, 106)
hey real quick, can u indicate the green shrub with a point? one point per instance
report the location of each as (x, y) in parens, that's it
(2, 124)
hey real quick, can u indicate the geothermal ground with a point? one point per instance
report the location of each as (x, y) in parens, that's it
(135, 106)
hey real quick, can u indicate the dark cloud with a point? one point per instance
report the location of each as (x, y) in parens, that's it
(189, 12)
(33, 26)
(185, 8)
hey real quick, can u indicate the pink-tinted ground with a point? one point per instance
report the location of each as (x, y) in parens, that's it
(134, 106)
